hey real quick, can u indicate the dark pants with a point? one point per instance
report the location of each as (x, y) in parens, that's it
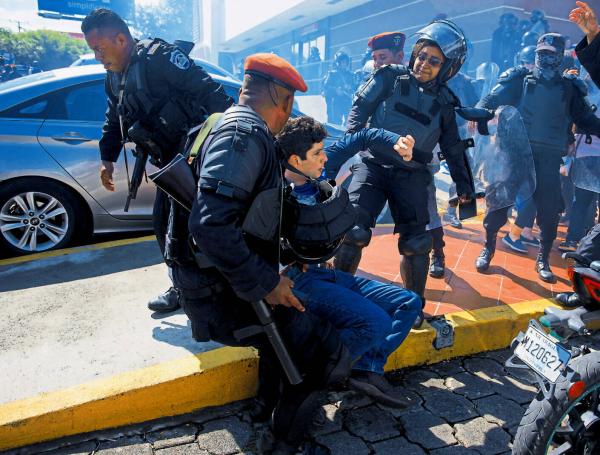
(406, 193)
(582, 213)
(405, 190)
(160, 219)
(548, 203)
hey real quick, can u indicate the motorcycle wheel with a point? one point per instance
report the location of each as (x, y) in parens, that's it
(574, 426)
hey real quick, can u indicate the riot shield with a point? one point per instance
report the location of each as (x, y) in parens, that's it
(501, 164)
(504, 161)
(585, 170)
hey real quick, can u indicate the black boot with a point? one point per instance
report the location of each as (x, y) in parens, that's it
(413, 270)
(437, 267)
(568, 299)
(166, 302)
(482, 263)
(542, 267)
(347, 258)
(378, 388)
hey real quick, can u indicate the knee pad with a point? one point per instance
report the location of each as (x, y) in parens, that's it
(358, 236)
(420, 244)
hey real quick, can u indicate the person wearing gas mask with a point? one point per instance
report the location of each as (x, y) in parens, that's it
(411, 100)
(373, 318)
(156, 93)
(549, 102)
(338, 87)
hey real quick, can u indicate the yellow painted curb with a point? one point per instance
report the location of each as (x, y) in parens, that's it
(221, 376)
(79, 249)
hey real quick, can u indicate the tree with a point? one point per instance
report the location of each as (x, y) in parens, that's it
(50, 49)
(169, 20)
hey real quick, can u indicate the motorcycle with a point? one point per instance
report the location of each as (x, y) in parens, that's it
(564, 416)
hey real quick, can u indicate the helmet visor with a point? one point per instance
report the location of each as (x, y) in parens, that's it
(449, 38)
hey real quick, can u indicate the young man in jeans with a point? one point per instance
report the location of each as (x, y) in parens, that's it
(373, 318)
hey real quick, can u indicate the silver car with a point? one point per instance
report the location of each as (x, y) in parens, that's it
(50, 191)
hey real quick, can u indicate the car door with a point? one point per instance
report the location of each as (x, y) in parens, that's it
(70, 134)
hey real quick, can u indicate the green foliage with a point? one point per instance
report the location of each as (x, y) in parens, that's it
(51, 49)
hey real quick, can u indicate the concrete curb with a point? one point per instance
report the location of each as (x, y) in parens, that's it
(221, 376)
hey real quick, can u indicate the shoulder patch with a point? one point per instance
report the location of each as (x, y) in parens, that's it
(179, 59)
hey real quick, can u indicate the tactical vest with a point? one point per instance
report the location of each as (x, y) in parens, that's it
(412, 110)
(544, 108)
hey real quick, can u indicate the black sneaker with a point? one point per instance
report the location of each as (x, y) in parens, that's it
(482, 263)
(542, 267)
(437, 266)
(568, 245)
(166, 302)
(378, 388)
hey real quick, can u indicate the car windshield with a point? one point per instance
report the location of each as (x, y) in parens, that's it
(22, 81)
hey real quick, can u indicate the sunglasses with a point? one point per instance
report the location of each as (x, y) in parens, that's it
(432, 60)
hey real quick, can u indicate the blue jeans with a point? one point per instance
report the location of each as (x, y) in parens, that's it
(372, 318)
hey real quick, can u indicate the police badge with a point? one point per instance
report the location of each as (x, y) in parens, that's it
(180, 60)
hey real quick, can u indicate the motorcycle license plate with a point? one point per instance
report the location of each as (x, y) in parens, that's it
(544, 355)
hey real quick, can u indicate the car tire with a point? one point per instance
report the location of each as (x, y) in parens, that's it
(37, 215)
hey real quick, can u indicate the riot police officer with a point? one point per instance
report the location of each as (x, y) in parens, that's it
(338, 87)
(526, 57)
(155, 88)
(387, 48)
(549, 103)
(411, 100)
(239, 163)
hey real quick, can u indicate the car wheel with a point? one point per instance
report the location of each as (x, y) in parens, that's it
(36, 215)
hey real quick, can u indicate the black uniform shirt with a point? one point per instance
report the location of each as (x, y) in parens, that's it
(589, 56)
(509, 90)
(169, 73)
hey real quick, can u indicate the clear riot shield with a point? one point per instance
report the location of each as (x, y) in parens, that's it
(503, 161)
(585, 170)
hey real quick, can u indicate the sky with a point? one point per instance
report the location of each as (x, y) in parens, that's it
(241, 15)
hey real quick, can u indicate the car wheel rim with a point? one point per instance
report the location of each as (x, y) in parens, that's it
(33, 221)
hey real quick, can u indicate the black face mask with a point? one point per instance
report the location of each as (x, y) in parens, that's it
(547, 65)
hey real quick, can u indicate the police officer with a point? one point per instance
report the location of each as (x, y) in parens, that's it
(549, 103)
(387, 48)
(338, 88)
(526, 58)
(156, 87)
(408, 100)
(240, 161)
(506, 41)
(486, 76)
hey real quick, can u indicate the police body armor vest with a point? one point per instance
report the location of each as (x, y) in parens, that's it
(544, 108)
(412, 110)
(167, 118)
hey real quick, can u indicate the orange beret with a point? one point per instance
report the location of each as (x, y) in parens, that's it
(387, 40)
(276, 69)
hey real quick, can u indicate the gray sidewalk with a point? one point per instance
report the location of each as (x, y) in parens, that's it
(74, 318)
(465, 406)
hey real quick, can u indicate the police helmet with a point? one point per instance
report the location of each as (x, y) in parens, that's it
(339, 57)
(529, 39)
(509, 19)
(487, 71)
(537, 15)
(527, 55)
(313, 233)
(451, 41)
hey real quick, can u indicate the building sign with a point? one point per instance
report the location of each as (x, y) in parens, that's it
(78, 9)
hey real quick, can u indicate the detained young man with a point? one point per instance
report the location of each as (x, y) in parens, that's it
(373, 318)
